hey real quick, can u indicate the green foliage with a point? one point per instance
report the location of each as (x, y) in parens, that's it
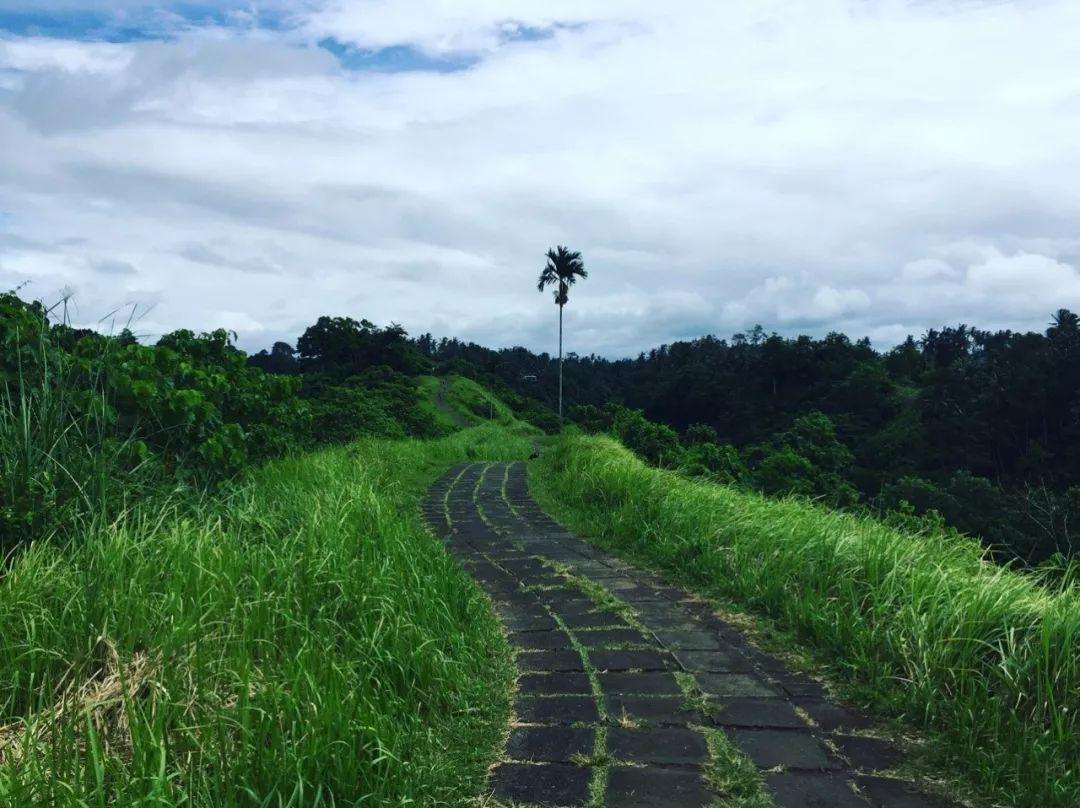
(719, 464)
(1010, 524)
(563, 268)
(655, 443)
(379, 402)
(982, 655)
(304, 641)
(806, 460)
(88, 421)
(1003, 406)
(698, 434)
(340, 347)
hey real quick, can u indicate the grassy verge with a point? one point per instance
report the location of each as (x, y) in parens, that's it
(305, 642)
(471, 403)
(985, 657)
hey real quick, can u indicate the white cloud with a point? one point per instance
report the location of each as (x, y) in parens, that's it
(1028, 278)
(824, 165)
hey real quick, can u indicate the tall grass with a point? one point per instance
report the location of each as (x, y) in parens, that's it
(304, 643)
(61, 461)
(988, 657)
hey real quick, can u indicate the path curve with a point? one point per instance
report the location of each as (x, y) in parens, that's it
(623, 679)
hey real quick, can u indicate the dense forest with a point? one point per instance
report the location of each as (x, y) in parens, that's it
(978, 428)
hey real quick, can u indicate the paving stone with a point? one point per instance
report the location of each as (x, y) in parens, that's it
(713, 662)
(526, 622)
(832, 717)
(735, 685)
(645, 596)
(619, 585)
(885, 792)
(550, 660)
(632, 660)
(651, 709)
(640, 684)
(600, 638)
(806, 790)
(550, 744)
(509, 557)
(551, 784)
(669, 618)
(668, 745)
(766, 662)
(867, 754)
(589, 568)
(556, 710)
(562, 603)
(548, 580)
(673, 593)
(571, 684)
(799, 685)
(683, 640)
(651, 786)
(792, 749)
(525, 567)
(575, 608)
(591, 620)
(518, 600)
(764, 713)
(541, 640)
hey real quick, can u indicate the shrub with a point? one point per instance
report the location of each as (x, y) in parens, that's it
(88, 421)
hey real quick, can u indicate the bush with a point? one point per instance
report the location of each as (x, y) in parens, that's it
(655, 443)
(89, 421)
(719, 464)
(807, 460)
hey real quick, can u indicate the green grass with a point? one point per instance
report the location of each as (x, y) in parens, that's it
(984, 658)
(463, 402)
(303, 643)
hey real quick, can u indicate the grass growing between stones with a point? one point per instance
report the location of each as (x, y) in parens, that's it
(302, 642)
(731, 775)
(983, 657)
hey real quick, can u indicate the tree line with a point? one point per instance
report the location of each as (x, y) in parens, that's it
(978, 428)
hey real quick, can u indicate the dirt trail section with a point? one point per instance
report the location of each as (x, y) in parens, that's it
(631, 693)
(451, 413)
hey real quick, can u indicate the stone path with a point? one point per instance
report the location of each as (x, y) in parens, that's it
(629, 688)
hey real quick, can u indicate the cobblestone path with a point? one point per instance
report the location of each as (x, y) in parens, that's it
(630, 690)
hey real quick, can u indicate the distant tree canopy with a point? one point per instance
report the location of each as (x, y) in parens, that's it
(1001, 407)
(980, 429)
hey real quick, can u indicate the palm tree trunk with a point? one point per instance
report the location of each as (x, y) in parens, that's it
(560, 367)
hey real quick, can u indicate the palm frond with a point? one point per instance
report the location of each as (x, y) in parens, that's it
(563, 267)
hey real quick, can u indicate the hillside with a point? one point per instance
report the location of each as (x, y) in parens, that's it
(455, 402)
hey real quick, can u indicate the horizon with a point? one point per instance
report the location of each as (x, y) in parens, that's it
(871, 168)
(253, 347)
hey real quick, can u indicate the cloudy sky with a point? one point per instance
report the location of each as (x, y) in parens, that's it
(871, 166)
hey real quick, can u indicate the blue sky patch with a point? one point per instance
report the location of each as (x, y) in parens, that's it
(395, 59)
(134, 24)
(70, 25)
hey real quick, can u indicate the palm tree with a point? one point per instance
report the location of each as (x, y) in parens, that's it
(1064, 322)
(563, 267)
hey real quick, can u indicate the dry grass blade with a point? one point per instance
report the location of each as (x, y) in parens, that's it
(101, 701)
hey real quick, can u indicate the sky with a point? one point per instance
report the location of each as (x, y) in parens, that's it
(876, 167)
